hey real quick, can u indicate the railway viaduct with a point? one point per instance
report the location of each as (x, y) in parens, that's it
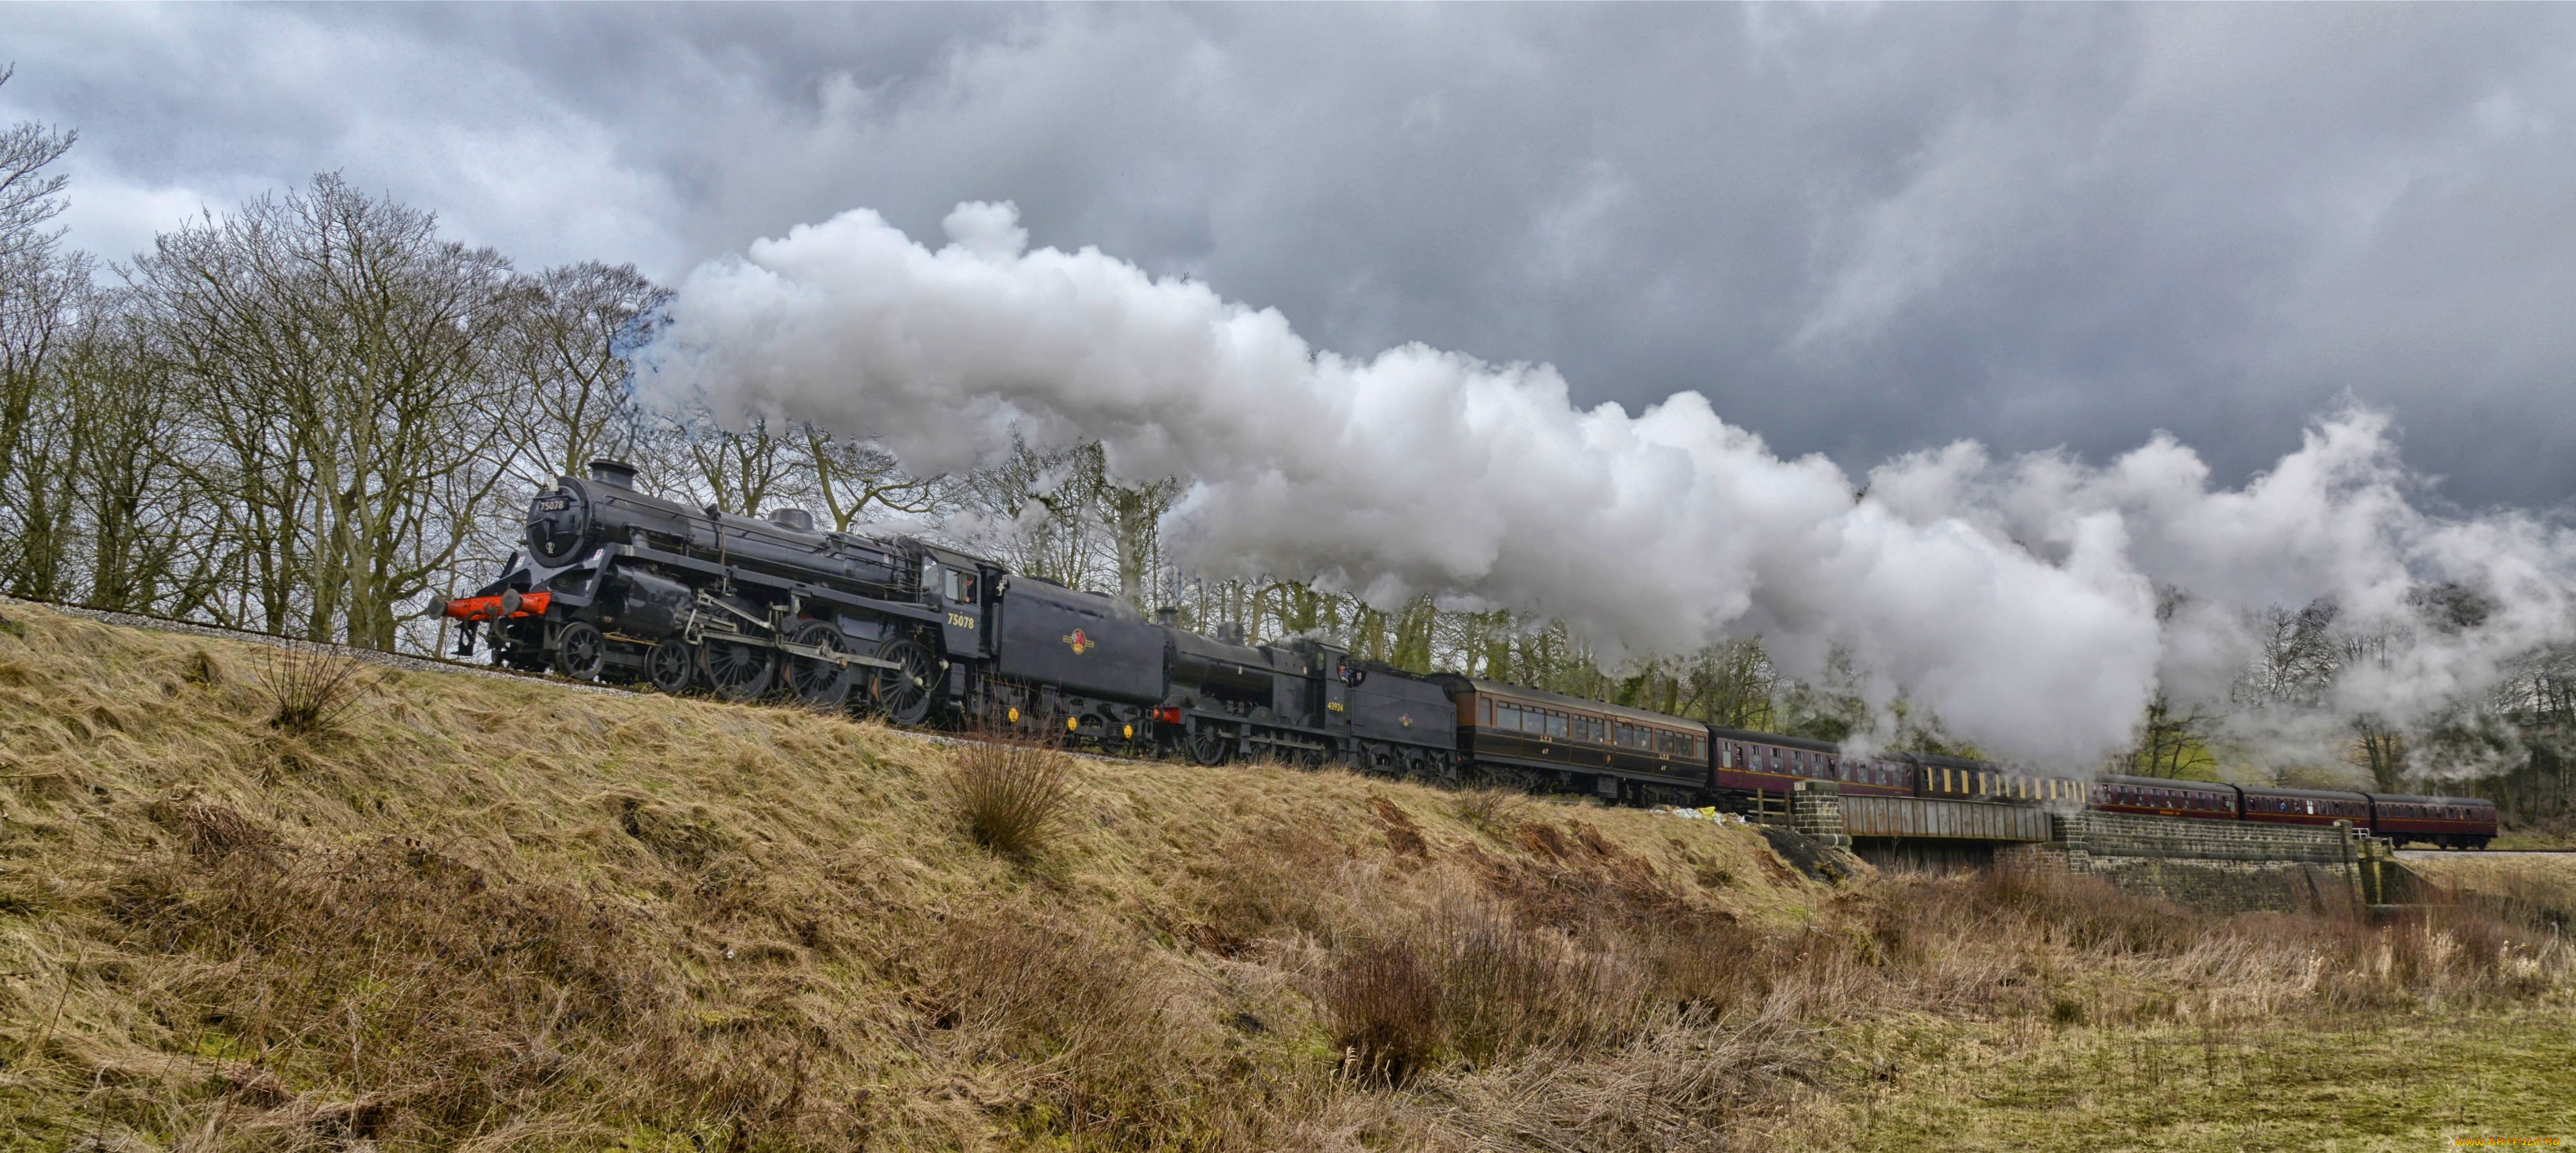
(2218, 866)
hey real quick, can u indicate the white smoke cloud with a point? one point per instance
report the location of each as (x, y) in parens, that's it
(2017, 599)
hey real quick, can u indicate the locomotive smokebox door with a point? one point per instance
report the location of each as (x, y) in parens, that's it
(961, 610)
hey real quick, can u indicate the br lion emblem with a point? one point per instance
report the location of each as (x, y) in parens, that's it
(1081, 644)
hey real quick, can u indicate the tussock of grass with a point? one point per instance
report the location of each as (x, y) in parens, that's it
(312, 690)
(488, 913)
(1015, 792)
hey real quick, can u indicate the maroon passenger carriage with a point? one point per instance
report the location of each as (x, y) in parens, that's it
(2446, 822)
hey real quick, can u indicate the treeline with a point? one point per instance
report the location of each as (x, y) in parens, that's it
(314, 415)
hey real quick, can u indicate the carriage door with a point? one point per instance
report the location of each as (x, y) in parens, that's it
(962, 609)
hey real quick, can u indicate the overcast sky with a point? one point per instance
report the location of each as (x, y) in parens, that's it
(1858, 230)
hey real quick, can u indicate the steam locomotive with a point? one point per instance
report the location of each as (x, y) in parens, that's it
(614, 584)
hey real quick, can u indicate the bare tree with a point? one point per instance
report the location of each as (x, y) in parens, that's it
(564, 354)
(2379, 749)
(30, 197)
(855, 478)
(2172, 741)
(335, 356)
(740, 469)
(42, 289)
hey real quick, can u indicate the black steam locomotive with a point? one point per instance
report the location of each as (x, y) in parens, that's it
(615, 584)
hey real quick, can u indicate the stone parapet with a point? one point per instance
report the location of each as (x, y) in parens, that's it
(1816, 810)
(2220, 866)
(2127, 835)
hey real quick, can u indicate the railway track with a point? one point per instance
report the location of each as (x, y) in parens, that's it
(407, 661)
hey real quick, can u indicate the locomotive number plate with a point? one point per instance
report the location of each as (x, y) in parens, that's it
(961, 620)
(553, 503)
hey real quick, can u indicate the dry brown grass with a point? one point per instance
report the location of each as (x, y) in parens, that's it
(1013, 791)
(488, 913)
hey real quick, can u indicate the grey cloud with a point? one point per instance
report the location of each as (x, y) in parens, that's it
(1859, 230)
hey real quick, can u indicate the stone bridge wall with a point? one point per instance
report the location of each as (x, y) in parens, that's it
(2218, 866)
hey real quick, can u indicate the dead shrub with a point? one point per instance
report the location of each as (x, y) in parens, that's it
(2088, 912)
(1506, 989)
(1383, 1000)
(312, 690)
(1704, 964)
(1094, 1021)
(394, 975)
(211, 832)
(1677, 1085)
(1272, 880)
(1014, 793)
(1469, 983)
(1490, 810)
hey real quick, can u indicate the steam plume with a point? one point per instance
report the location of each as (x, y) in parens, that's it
(2017, 599)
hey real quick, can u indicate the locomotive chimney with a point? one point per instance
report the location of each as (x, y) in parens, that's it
(613, 472)
(1168, 616)
(793, 518)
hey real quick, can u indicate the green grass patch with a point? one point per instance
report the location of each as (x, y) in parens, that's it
(2364, 1083)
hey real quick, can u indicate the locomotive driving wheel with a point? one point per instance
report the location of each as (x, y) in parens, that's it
(1207, 746)
(904, 693)
(735, 671)
(578, 648)
(819, 684)
(671, 666)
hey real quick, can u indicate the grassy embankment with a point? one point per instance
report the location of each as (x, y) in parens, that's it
(487, 913)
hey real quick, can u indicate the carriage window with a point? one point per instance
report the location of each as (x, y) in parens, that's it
(1507, 717)
(1556, 724)
(1485, 712)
